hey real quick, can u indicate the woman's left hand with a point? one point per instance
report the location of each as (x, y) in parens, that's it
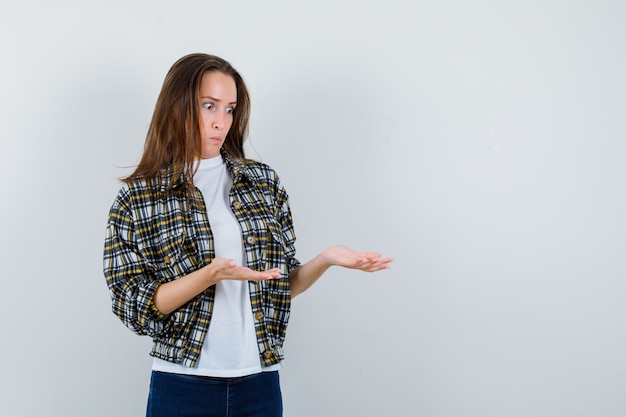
(349, 258)
(302, 277)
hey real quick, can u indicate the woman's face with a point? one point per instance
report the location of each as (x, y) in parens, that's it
(218, 98)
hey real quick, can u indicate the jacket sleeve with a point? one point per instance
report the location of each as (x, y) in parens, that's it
(130, 280)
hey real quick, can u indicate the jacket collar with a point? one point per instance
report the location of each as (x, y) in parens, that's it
(238, 169)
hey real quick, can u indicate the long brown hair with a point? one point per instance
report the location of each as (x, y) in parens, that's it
(173, 140)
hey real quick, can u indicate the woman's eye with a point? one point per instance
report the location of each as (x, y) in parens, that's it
(230, 110)
(208, 106)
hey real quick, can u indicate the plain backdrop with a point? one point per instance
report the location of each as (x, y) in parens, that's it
(480, 143)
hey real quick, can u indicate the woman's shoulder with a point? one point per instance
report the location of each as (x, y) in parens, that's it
(255, 170)
(132, 187)
(135, 192)
(260, 168)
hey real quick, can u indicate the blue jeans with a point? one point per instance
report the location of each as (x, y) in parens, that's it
(174, 395)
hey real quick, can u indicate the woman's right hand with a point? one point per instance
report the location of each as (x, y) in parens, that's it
(222, 269)
(171, 295)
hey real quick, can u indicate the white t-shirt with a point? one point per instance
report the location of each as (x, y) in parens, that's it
(230, 347)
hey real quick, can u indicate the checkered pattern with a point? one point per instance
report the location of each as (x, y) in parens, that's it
(152, 240)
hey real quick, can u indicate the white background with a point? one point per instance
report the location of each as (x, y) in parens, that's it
(479, 143)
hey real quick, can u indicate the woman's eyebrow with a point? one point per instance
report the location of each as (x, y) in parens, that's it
(217, 99)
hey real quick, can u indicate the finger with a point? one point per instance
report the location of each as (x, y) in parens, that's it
(265, 277)
(375, 266)
(381, 266)
(272, 273)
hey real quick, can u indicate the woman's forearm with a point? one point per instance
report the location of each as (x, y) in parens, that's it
(170, 296)
(301, 278)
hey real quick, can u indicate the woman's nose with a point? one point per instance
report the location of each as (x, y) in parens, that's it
(218, 122)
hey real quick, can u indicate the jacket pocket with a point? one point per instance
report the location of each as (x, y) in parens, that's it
(163, 248)
(277, 307)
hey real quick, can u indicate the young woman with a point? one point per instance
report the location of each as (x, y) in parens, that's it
(199, 251)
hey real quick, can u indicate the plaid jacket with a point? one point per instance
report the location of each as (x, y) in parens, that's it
(150, 241)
